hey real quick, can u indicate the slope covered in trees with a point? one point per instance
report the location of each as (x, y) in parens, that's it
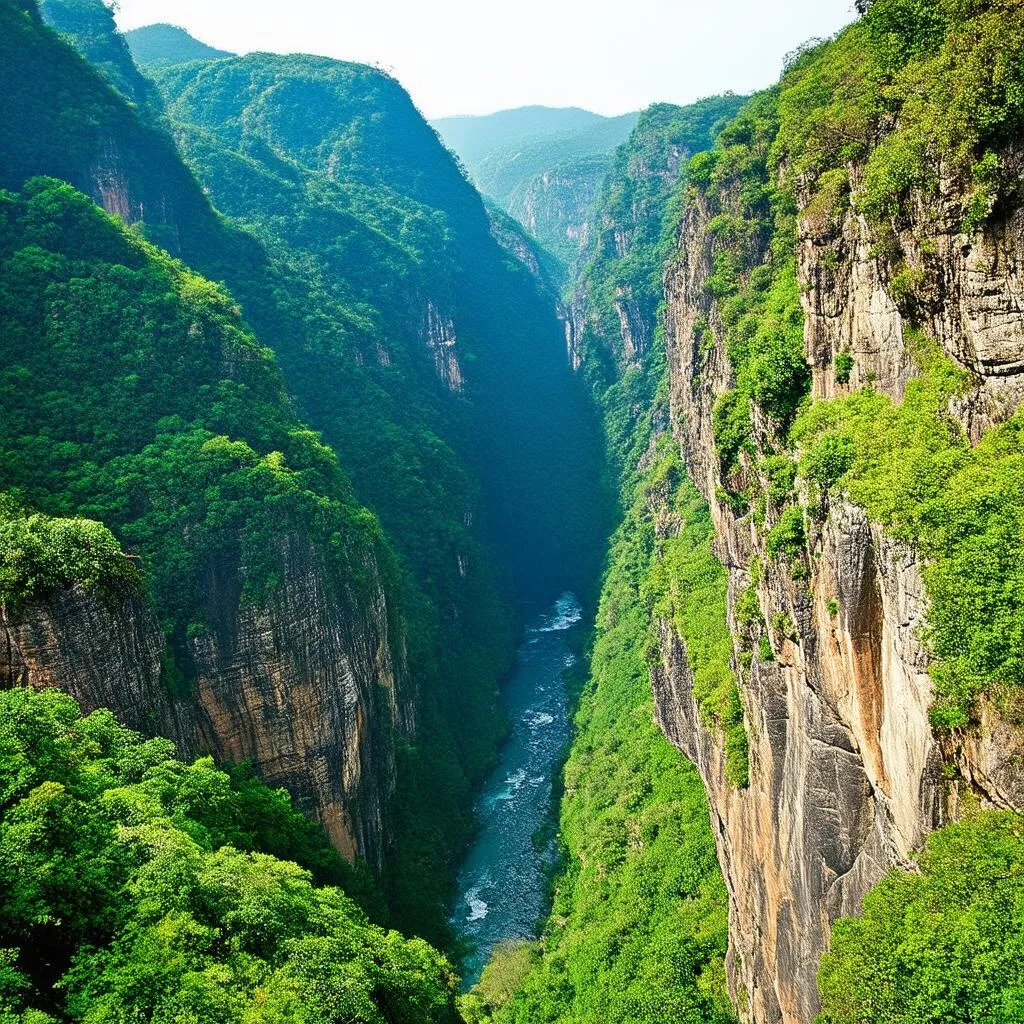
(427, 359)
(162, 44)
(137, 887)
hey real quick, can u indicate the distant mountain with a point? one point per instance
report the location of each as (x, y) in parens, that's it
(542, 165)
(163, 45)
(474, 137)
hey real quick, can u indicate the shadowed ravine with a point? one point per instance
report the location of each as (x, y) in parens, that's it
(501, 883)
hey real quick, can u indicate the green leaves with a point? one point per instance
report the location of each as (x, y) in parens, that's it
(942, 946)
(117, 884)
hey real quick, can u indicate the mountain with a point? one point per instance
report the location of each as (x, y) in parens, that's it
(162, 45)
(541, 165)
(362, 259)
(298, 428)
(90, 28)
(473, 137)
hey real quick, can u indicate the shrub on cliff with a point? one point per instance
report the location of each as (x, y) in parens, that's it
(941, 944)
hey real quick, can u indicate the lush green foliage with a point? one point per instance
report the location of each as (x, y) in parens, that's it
(348, 221)
(689, 586)
(134, 394)
(754, 282)
(89, 26)
(942, 79)
(371, 231)
(639, 203)
(942, 944)
(136, 887)
(39, 554)
(911, 467)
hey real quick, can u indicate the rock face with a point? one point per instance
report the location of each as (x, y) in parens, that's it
(308, 685)
(438, 333)
(846, 776)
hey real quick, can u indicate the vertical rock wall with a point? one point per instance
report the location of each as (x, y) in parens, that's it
(846, 776)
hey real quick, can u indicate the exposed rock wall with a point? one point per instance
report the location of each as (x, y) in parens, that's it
(846, 776)
(308, 685)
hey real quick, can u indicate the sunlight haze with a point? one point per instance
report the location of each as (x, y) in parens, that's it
(458, 57)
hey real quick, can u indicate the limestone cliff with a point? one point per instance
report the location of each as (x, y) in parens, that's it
(847, 776)
(306, 684)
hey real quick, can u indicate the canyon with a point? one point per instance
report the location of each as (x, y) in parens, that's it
(745, 375)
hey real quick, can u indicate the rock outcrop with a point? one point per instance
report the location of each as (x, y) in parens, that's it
(309, 685)
(847, 777)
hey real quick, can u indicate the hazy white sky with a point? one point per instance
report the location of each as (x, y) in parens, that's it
(477, 56)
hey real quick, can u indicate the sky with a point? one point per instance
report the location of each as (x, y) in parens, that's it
(478, 56)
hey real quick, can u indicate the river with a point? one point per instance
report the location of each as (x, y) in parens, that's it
(502, 881)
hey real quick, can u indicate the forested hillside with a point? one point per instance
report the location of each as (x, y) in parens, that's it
(364, 262)
(137, 887)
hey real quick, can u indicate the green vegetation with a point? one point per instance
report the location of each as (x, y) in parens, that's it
(348, 228)
(162, 44)
(134, 395)
(638, 927)
(843, 367)
(754, 281)
(89, 27)
(136, 887)
(639, 202)
(939, 83)
(941, 944)
(639, 923)
(360, 265)
(911, 467)
(39, 554)
(942, 78)
(689, 587)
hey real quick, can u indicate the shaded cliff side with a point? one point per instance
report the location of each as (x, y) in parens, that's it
(263, 620)
(839, 332)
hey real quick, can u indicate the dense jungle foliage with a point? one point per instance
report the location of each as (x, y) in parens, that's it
(350, 238)
(135, 395)
(940, 944)
(635, 218)
(918, 95)
(136, 887)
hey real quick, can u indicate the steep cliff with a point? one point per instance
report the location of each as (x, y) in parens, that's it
(838, 333)
(267, 627)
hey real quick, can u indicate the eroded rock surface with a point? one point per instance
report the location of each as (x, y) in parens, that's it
(310, 685)
(846, 776)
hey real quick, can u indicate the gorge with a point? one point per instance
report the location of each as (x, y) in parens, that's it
(304, 431)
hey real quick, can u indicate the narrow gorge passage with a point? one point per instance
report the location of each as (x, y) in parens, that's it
(501, 884)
